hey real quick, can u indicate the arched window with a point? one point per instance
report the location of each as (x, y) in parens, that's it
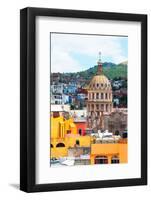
(115, 160)
(60, 145)
(80, 131)
(77, 142)
(101, 160)
(102, 107)
(97, 106)
(51, 145)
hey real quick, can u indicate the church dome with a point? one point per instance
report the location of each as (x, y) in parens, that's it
(99, 82)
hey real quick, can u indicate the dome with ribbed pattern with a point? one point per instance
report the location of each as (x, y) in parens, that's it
(99, 82)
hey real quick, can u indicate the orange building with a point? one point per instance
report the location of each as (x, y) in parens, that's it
(109, 153)
(81, 126)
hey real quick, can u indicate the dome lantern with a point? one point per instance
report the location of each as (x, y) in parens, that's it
(99, 69)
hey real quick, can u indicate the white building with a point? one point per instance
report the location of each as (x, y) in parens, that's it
(57, 96)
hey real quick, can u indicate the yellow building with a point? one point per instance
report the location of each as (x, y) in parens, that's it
(64, 136)
(109, 153)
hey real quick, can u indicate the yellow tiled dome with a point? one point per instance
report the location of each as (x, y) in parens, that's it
(98, 82)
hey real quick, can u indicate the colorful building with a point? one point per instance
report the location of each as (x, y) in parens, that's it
(64, 135)
(109, 153)
(66, 141)
(68, 135)
(81, 125)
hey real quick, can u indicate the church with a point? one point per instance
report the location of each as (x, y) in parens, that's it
(100, 112)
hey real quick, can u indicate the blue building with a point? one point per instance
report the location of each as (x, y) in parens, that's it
(70, 89)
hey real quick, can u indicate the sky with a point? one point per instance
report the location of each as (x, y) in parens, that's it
(75, 52)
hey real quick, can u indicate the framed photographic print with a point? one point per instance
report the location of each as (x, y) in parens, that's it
(83, 99)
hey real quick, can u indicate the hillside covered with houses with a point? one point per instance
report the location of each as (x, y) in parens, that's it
(70, 88)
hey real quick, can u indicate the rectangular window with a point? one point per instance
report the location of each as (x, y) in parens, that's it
(102, 107)
(106, 107)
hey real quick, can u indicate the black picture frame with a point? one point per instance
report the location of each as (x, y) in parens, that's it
(28, 99)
